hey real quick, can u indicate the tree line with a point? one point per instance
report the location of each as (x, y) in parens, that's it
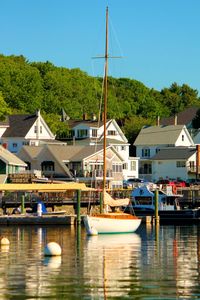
(27, 86)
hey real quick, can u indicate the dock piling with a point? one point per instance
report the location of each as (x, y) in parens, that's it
(22, 204)
(156, 207)
(78, 207)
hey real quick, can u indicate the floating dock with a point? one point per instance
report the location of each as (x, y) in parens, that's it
(37, 220)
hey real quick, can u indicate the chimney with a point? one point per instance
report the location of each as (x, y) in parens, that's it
(37, 113)
(175, 119)
(158, 121)
(84, 117)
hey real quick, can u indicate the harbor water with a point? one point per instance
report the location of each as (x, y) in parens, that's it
(153, 263)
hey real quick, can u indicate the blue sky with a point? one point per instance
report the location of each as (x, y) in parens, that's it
(158, 39)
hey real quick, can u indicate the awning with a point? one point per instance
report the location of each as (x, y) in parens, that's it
(42, 187)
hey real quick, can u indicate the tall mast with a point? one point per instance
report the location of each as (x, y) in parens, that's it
(105, 105)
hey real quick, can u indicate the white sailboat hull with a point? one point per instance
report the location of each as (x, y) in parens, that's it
(99, 224)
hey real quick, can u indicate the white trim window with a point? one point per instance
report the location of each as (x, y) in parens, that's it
(117, 168)
(133, 165)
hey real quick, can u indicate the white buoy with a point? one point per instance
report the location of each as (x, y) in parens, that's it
(52, 249)
(5, 241)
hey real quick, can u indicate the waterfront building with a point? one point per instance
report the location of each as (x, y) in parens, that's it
(165, 151)
(20, 130)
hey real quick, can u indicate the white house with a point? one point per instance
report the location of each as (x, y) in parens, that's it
(174, 163)
(153, 139)
(22, 130)
(90, 132)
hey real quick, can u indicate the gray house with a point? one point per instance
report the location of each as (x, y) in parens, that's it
(82, 163)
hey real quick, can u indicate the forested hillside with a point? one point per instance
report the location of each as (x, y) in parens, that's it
(27, 86)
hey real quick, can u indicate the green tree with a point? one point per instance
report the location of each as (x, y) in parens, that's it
(133, 126)
(4, 109)
(20, 84)
(60, 129)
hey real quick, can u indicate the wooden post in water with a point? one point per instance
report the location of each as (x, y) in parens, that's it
(22, 204)
(78, 207)
(156, 206)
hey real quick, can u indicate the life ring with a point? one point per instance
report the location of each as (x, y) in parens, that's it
(174, 189)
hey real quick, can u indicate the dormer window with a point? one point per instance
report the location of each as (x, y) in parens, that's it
(146, 152)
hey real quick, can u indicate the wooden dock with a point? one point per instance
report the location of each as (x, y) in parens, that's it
(37, 220)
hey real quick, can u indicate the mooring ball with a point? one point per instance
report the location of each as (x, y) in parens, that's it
(5, 241)
(52, 249)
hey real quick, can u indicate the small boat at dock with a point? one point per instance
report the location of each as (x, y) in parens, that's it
(170, 207)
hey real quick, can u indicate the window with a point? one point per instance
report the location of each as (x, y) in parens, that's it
(71, 134)
(111, 132)
(146, 152)
(123, 148)
(147, 169)
(47, 166)
(157, 150)
(35, 129)
(82, 133)
(14, 145)
(117, 168)
(25, 143)
(182, 137)
(180, 164)
(94, 132)
(40, 129)
(125, 166)
(133, 165)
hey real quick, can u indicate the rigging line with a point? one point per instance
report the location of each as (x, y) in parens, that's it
(116, 38)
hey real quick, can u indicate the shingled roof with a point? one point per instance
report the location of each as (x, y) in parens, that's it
(10, 158)
(19, 125)
(89, 123)
(183, 118)
(158, 135)
(174, 153)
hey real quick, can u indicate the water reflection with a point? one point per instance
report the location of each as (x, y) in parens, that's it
(109, 261)
(155, 263)
(170, 264)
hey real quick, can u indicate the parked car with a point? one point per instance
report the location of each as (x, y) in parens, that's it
(131, 182)
(135, 182)
(181, 183)
(193, 181)
(166, 182)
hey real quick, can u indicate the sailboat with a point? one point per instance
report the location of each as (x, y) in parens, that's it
(109, 222)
